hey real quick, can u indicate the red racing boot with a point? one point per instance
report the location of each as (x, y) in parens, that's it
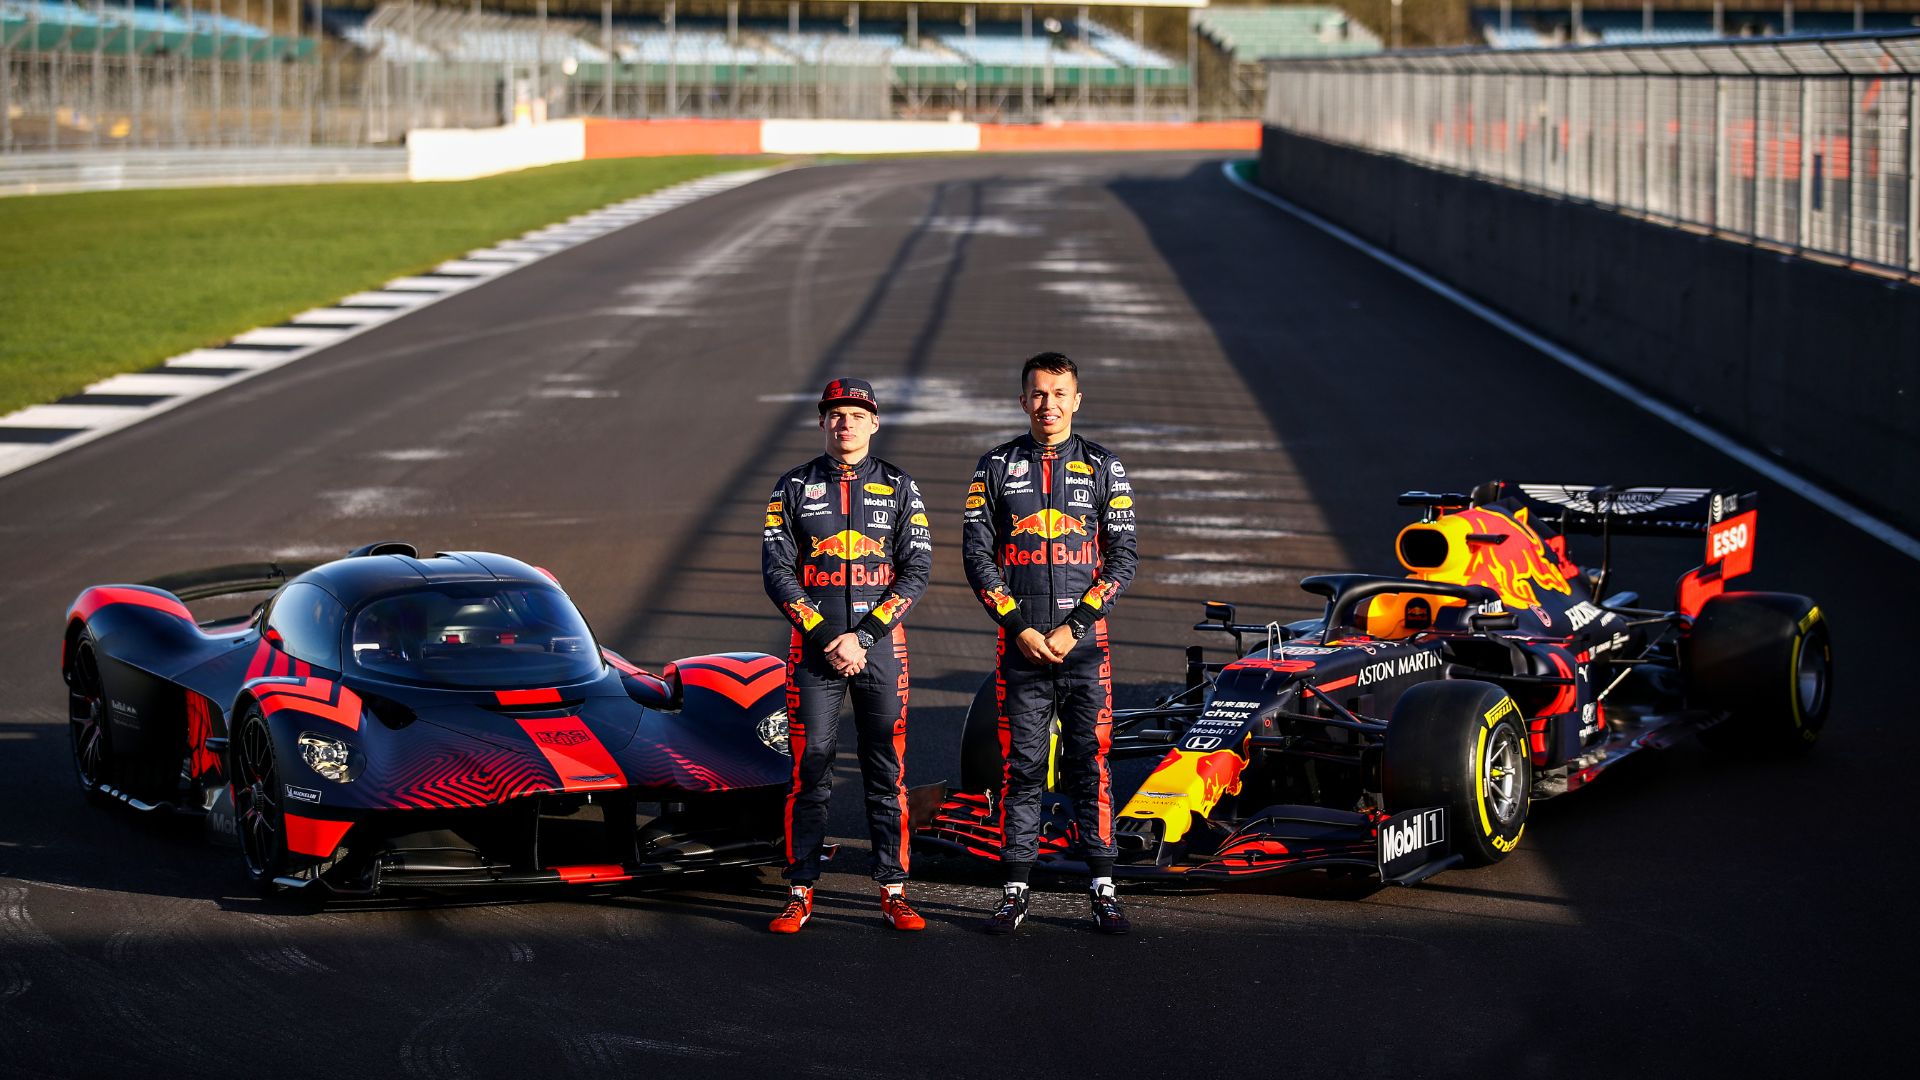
(798, 910)
(898, 913)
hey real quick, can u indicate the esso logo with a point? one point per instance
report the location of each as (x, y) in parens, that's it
(1729, 540)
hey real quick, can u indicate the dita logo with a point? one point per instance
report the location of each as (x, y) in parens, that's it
(562, 738)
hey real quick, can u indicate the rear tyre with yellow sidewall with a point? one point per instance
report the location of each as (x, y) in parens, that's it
(1462, 745)
(1766, 660)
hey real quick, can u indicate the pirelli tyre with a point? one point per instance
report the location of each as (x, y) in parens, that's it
(258, 813)
(1766, 661)
(1461, 745)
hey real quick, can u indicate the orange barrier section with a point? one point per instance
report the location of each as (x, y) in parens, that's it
(1218, 135)
(659, 138)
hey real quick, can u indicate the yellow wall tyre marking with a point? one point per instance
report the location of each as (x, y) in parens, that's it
(1793, 676)
(1509, 845)
(1480, 781)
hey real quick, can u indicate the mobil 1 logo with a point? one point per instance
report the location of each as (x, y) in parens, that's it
(1410, 840)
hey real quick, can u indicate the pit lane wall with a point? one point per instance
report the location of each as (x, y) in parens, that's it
(464, 154)
(1817, 363)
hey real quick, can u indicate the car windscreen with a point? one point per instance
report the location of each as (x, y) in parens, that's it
(480, 636)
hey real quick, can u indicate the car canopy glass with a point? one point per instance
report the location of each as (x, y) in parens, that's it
(482, 635)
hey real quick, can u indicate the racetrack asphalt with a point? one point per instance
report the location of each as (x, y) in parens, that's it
(618, 414)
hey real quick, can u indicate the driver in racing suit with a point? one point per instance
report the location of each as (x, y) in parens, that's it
(1048, 546)
(846, 551)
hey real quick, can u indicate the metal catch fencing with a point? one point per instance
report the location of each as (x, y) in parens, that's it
(1809, 143)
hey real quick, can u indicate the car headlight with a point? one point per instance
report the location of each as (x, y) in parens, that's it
(773, 732)
(332, 758)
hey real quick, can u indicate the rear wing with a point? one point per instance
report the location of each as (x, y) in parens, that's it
(1728, 520)
(232, 580)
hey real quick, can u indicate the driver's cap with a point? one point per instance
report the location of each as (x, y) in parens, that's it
(849, 392)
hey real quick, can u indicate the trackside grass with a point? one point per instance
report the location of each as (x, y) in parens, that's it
(96, 284)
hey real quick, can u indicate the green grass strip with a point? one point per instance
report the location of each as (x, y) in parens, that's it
(97, 284)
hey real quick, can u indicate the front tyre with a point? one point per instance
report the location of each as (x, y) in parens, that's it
(257, 810)
(1766, 660)
(1462, 745)
(87, 727)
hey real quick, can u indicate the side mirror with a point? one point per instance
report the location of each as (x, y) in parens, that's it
(273, 638)
(1219, 611)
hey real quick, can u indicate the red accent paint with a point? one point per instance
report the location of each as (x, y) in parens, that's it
(547, 696)
(743, 683)
(548, 574)
(262, 652)
(315, 697)
(1568, 697)
(573, 751)
(107, 595)
(317, 837)
(1733, 539)
(593, 872)
(1337, 684)
(1699, 586)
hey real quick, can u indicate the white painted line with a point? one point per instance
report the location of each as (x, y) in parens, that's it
(169, 385)
(352, 316)
(69, 416)
(288, 335)
(1826, 500)
(364, 310)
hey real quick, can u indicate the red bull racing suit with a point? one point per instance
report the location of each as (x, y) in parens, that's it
(1049, 540)
(846, 549)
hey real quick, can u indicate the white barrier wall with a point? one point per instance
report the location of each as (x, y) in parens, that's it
(867, 137)
(463, 154)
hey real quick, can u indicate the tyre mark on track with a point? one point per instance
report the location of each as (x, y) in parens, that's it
(280, 956)
(433, 1048)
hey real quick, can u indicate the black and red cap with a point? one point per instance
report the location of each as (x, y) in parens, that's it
(849, 392)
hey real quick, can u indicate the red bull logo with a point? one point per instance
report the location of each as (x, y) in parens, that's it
(1219, 774)
(812, 576)
(1048, 525)
(1482, 546)
(848, 545)
(1015, 555)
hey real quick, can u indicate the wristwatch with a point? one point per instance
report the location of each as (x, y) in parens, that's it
(1078, 631)
(865, 639)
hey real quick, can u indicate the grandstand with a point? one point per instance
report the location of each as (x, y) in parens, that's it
(173, 73)
(1624, 22)
(1252, 34)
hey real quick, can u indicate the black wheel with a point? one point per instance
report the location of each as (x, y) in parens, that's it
(1462, 745)
(982, 765)
(257, 811)
(1766, 660)
(87, 721)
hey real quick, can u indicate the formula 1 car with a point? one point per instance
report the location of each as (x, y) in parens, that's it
(385, 720)
(1408, 730)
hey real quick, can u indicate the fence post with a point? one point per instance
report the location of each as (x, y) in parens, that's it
(1804, 233)
(1913, 173)
(1719, 152)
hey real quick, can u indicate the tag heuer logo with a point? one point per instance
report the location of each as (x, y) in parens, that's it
(816, 491)
(562, 738)
(1018, 468)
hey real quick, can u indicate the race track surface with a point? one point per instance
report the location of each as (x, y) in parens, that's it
(618, 414)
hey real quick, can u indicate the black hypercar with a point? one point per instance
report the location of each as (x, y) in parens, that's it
(388, 720)
(1410, 727)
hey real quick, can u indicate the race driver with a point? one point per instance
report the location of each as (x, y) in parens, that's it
(1049, 544)
(846, 552)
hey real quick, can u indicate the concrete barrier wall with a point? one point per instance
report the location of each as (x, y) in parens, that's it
(1816, 363)
(867, 137)
(660, 138)
(463, 153)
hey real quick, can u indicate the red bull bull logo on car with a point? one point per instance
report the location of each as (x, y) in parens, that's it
(848, 545)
